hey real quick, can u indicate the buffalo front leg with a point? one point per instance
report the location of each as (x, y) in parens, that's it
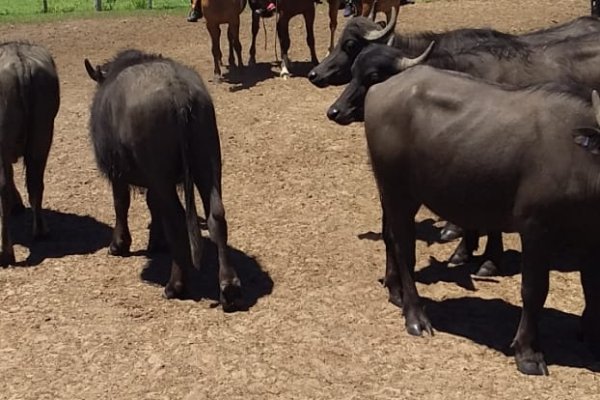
(255, 27)
(309, 22)
(283, 32)
(492, 256)
(157, 242)
(392, 279)
(233, 34)
(590, 319)
(534, 290)
(7, 257)
(215, 36)
(121, 238)
(464, 251)
(400, 216)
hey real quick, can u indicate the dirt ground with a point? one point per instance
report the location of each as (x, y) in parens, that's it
(303, 216)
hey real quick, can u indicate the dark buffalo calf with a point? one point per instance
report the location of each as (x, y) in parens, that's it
(153, 125)
(495, 158)
(30, 98)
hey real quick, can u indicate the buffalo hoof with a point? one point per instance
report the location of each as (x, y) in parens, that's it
(251, 61)
(486, 269)
(459, 258)
(174, 291)
(450, 232)
(231, 296)
(118, 249)
(7, 258)
(417, 325)
(532, 364)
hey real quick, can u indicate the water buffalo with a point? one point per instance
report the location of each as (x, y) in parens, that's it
(224, 12)
(361, 32)
(491, 157)
(568, 61)
(30, 98)
(153, 125)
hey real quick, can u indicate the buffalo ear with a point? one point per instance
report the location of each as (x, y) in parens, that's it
(95, 74)
(588, 138)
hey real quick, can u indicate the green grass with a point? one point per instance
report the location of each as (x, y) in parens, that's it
(32, 8)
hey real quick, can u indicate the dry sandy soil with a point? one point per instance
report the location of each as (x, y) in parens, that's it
(77, 323)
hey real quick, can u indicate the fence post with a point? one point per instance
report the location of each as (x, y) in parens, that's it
(45, 6)
(98, 5)
(150, 4)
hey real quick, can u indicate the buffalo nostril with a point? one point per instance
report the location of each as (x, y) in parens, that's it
(332, 113)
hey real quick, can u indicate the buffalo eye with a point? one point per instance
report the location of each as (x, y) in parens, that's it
(350, 46)
(374, 77)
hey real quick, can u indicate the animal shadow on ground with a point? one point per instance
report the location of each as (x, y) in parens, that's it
(438, 271)
(70, 234)
(249, 76)
(493, 323)
(204, 283)
(426, 232)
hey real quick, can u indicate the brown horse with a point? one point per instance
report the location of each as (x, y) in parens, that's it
(217, 12)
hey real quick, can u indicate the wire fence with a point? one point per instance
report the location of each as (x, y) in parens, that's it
(23, 7)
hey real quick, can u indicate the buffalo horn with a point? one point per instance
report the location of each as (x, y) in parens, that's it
(375, 34)
(405, 62)
(372, 12)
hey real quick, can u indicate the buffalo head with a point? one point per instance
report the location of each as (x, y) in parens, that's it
(373, 65)
(357, 35)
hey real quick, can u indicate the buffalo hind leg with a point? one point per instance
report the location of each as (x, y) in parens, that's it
(309, 22)
(157, 242)
(590, 319)
(175, 230)
(36, 156)
(121, 238)
(534, 290)
(7, 257)
(229, 282)
(283, 32)
(15, 201)
(492, 256)
(400, 216)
